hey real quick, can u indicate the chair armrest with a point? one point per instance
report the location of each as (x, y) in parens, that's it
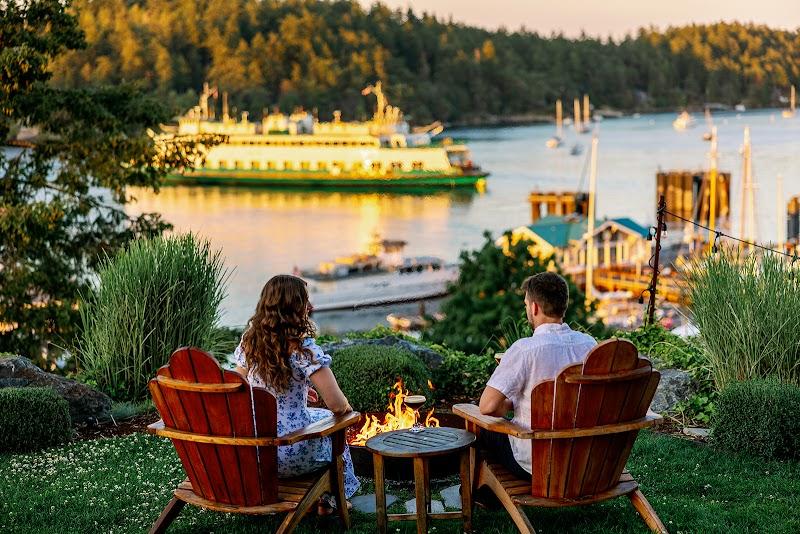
(320, 429)
(473, 414)
(153, 428)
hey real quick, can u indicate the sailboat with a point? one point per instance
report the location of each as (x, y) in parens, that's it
(556, 141)
(707, 136)
(789, 113)
(587, 117)
(579, 127)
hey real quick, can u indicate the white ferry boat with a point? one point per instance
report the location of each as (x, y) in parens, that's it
(297, 150)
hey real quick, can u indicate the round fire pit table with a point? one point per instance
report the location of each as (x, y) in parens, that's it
(420, 446)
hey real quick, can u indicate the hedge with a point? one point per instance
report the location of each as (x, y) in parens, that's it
(366, 374)
(759, 417)
(32, 418)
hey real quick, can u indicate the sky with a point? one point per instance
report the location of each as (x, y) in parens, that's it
(604, 17)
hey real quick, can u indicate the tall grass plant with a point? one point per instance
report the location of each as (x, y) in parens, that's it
(747, 308)
(157, 295)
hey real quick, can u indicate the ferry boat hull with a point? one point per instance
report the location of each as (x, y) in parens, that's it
(316, 179)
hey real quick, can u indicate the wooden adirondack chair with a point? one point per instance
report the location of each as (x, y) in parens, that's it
(583, 426)
(229, 454)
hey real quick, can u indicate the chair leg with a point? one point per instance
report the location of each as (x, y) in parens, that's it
(310, 499)
(647, 512)
(167, 516)
(337, 488)
(487, 478)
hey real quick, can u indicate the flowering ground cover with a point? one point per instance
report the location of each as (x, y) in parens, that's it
(121, 484)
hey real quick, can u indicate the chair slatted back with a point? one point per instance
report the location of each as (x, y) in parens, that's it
(194, 394)
(613, 385)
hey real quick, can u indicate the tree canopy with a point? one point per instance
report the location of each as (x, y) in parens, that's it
(321, 54)
(62, 196)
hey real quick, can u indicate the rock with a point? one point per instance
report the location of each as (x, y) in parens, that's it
(675, 386)
(697, 432)
(430, 358)
(452, 497)
(86, 405)
(436, 506)
(366, 503)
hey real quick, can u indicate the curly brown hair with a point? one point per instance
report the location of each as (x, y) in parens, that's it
(277, 330)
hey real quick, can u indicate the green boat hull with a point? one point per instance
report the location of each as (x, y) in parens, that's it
(316, 180)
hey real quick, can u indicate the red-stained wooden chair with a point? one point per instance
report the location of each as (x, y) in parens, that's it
(229, 454)
(583, 426)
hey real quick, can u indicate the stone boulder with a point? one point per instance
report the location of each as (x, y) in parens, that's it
(675, 386)
(430, 358)
(86, 405)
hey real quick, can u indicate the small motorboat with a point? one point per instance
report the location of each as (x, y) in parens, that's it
(684, 121)
(554, 142)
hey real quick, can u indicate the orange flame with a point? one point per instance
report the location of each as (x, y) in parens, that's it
(398, 416)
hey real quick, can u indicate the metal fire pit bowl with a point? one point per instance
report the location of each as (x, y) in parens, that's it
(402, 469)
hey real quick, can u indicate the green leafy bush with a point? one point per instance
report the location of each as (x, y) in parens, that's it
(157, 295)
(462, 375)
(32, 418)
(366, 374)
(760, 417)
(489, 291)
(746, 308)
(668, 349)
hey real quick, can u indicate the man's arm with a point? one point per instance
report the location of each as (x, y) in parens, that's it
(494, 403)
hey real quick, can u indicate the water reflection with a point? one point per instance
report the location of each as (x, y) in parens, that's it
(264, 232)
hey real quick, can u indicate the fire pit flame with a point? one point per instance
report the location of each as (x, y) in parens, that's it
(398, 416)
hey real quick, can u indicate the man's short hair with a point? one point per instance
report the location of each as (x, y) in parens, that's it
(549, 291)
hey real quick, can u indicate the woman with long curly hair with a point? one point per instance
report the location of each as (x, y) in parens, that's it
(278, 352)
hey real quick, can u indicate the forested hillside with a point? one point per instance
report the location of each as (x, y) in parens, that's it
(320, 54)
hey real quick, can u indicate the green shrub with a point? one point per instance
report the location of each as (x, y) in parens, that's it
(746, 309)
(366, 374)
(157, 295)
(32, 418)
(760, 417)
(463, 376)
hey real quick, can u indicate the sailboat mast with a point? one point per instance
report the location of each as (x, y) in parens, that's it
(712, 200)
(590, 230)
(586, 118)
(559, 118)
(779, 214)
(577, 110)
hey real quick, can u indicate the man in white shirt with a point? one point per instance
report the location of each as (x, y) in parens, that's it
(531, 360)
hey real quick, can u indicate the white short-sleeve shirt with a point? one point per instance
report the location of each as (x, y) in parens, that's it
(532, 360)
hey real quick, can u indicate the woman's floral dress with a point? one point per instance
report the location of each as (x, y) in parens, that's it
(294, 413)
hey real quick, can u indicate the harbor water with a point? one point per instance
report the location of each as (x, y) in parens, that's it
(263, 232)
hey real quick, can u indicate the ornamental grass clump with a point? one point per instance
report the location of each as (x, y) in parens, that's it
(157, 295)
(746, 308)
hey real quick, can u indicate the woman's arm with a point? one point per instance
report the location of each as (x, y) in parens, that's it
(326, 385)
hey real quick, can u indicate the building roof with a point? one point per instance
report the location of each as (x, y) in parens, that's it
(558, 231)
(632, 225)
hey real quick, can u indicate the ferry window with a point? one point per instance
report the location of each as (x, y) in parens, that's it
(376, 166)
(255, 165)
(287, 165)
(397, 166)
(238, 164)
(321, 165)
(222, 164)
(357, 166)
(417, 165)
(271, 165)
(338, 164)
(305, 165)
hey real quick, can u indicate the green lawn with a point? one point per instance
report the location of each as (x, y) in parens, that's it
(121, 484)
